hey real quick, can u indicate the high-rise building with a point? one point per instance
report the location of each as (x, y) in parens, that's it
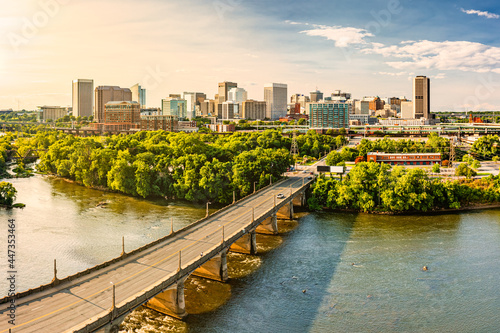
(407, 110)
(338, 95)
(362, 107)
(208, 108)
(238, 95)
(51, 112)
(377, 104)
(139, 95)
(253, 110)
(224, 88)
(421, 97)
(301, 99)
(328, 115)
(275, 95)
(174, 107)
(83, 98)
(105, 94)
(193, 103)
(316, 96)
(229, 109)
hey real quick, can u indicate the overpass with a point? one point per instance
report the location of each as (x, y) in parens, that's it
(98, 299)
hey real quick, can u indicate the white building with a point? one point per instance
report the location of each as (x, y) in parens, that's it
(275, 95)
(362, 107)
(238, 95)
(407, 110)
(83, 98)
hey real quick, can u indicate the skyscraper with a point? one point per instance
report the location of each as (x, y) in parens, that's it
(139, 95)
(275, 95)
(421, 97)
(105, 94)
(83, 97)
(316, 96)
(224, 88)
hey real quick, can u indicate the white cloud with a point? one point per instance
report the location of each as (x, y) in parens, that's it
(480, 13)
(447, 55)
(342, 36)
(394, 74)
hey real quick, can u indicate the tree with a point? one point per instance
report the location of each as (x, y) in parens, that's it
(436, 168)
(302, 121)
(464, 170)
(7, 194)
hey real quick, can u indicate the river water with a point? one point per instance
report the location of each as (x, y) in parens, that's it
(330, 272)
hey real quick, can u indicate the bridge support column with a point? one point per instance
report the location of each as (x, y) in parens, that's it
(247, 244)
(299, 200)
(269, 226)
(171, 301)
(215, 268)
(286, 212)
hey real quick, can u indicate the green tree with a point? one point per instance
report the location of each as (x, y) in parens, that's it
(436, 168)
(464, 170)
(7, 194)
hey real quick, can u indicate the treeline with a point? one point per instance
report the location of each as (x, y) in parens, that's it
(373, 187)
(194, 167)
(434, 144)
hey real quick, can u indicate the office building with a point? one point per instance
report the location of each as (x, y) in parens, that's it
(340, 96)
(159, 122)
(316, 96)
(224, 88)
(51, 112)
(328, 115)
(253, 110)
(120, 116)
(362, 107)
(421, 97)
(275, 95)
(300, 99)
(407, 110)
(174, 106)
(138, 95)
(238, 95)
(376, 104)
(229, 110)
(105, 94)
(193, 103)
(83, 98)
(207, 108)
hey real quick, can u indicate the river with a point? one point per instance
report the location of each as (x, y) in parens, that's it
(331, 272)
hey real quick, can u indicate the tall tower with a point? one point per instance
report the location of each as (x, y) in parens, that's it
(224, 88)
(83, 98)
(275, 95)
(421, 97)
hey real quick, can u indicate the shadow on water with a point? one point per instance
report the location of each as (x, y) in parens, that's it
(285, 293)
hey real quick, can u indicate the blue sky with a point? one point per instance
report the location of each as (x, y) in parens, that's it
(368, 48)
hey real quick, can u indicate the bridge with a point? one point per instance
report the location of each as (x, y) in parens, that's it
(98, 299)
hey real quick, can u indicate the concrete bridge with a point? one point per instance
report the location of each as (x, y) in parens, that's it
(98, 299)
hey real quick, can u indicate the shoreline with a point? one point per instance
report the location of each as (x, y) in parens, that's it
(415, 212)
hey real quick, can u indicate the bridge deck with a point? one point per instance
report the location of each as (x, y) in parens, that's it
(71, 305)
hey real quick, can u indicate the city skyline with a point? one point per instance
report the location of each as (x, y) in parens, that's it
(372, 49)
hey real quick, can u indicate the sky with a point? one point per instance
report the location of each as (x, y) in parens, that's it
(367, 48)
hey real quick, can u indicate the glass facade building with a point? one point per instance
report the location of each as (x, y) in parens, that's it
(329, 115)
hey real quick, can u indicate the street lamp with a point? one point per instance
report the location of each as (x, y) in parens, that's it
(208, 203)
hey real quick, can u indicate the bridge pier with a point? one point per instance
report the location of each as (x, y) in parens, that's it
(215, 268)
(247, 244)
(269, 226)
(286, 212)
(171, 301)
(300, 200)
(113, 326)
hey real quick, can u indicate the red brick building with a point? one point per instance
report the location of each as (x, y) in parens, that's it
(405, 159)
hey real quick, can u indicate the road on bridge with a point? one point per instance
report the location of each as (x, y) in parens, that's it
(69, 305)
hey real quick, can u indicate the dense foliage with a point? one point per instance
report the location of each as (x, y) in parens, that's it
(434, 144)
(375, 187)
(487, 146)
(195, 167)
(7, 194)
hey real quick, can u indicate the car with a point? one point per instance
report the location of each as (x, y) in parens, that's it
(310, 177)
(305, 171)
(280, 196)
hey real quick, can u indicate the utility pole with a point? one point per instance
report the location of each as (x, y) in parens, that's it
(294, 150)
(452, 154)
